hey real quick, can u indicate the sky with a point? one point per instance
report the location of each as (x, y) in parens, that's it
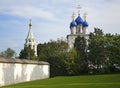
(51, 19)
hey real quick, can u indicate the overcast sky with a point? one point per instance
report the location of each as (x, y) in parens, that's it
(51, 19)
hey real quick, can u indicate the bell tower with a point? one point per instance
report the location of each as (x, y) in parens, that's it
(30, 40)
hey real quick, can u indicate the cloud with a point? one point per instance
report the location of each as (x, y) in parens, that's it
(27, 12)
(105, 15)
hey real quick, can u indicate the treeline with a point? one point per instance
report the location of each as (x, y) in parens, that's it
(104, 55)
(100, 55)
(8, 53)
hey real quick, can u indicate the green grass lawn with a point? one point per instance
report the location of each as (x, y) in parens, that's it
(91, 81)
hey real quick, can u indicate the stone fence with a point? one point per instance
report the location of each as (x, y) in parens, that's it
(16, 70)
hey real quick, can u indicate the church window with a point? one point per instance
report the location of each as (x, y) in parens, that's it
(29, 46)
(29, 40)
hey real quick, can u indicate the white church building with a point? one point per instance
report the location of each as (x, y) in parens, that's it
(78, 27)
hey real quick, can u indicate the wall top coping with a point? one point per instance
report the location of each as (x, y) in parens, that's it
(22, 61)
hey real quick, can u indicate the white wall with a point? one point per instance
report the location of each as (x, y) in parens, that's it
(11, 73)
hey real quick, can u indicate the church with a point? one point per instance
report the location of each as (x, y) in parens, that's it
(78, 27)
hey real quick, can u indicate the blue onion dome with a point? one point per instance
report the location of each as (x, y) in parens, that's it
(79, 20)
(73, 24)
(85, 24)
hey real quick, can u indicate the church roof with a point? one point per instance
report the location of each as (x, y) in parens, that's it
(73, 24)
(22, 61)
(85, 24)
(79, 20)
(30, 34)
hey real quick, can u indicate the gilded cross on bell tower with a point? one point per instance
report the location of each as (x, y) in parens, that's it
(30, 24)
(78, 7)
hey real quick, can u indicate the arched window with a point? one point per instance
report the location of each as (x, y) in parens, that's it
(29, 40)
(29, 46)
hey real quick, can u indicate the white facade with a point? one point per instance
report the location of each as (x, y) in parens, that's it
(30, 40)
(12, 72)
(78, 27)
(71, 39)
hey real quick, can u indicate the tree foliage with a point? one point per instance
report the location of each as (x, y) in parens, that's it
(27, 53)
(81, 60)
(101, 55)
(8, 53)
(56, 53)
(104, 55)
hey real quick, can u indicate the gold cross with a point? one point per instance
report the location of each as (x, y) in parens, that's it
(78, 7)
(73, 16)
(30, 24)
(85, 15)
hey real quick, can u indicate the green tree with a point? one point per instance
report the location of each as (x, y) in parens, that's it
(72, 62)
(98, 51)
(103, 55)
(8, 53)
(27, 53)
(114, 52)
(104, 52)
(55, 53)
(82, 59)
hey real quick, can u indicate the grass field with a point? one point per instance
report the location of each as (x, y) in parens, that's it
(91, 81)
